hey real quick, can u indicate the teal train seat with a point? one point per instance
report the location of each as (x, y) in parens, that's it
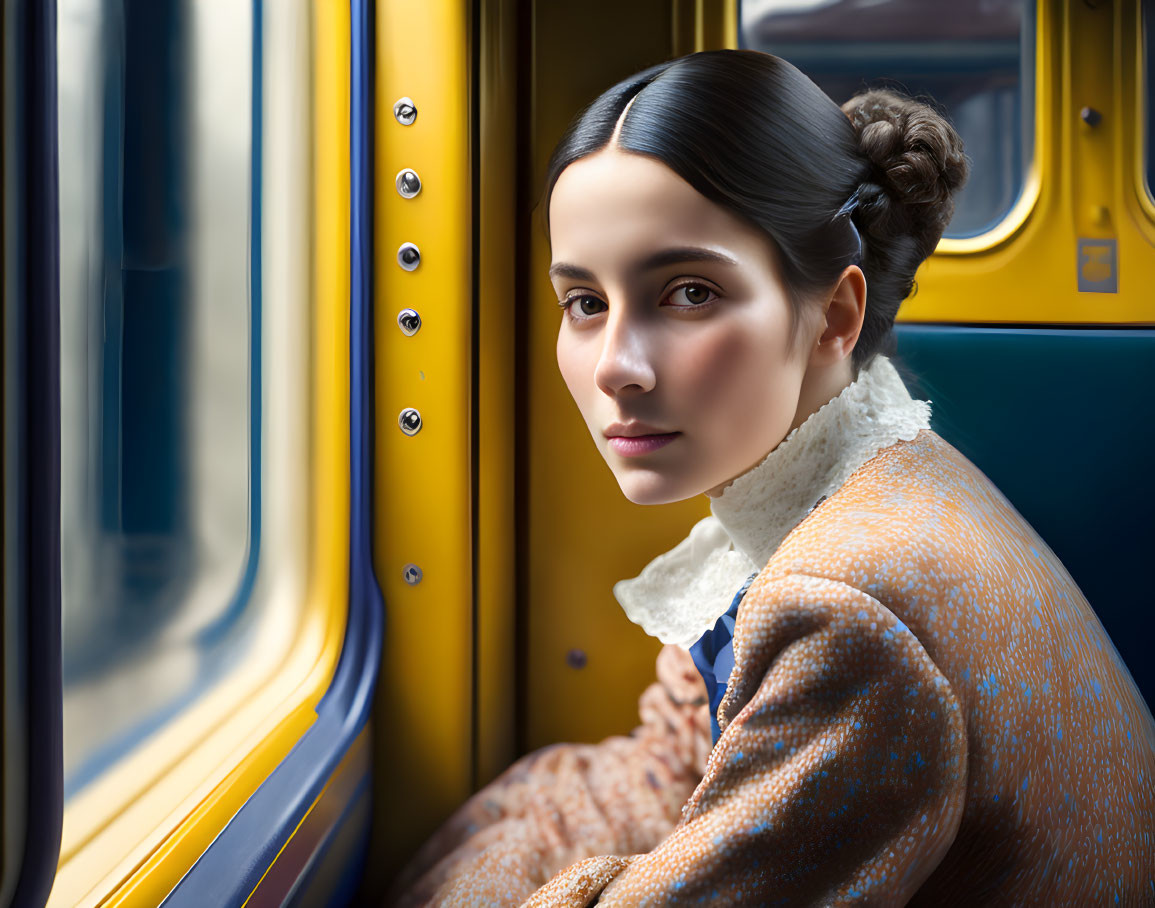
(1060, 419)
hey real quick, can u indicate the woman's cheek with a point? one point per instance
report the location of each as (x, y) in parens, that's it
(578, 379)
(722, 373)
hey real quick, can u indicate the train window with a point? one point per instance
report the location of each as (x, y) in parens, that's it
(976, 58)
(168, 348)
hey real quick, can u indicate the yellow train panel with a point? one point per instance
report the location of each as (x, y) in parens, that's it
(423, 482)
(1086, 186)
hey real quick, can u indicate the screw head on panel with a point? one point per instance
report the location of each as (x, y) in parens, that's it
(412, 574)
(409, 322)
(409, 421)
(405, 111)
(409, 256)
(1090, 116)
(408, 183)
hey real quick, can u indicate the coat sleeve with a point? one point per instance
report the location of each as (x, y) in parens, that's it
(566, 802)
(839, 778)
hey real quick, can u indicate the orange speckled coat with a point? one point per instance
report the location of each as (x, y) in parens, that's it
(924, 708)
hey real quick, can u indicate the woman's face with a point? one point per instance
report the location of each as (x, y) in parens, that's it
(675, 340)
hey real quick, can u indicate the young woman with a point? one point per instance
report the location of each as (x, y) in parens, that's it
(880, 685)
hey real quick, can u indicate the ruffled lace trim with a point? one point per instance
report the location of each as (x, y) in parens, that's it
(681, 594)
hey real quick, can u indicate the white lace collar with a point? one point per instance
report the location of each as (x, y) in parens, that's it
(681, 594)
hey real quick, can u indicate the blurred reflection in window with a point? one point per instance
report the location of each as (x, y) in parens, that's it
(976, 59)
(161, 353)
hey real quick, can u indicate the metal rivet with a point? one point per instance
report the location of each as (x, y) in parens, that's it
(576, 658)
(409, 256)
(409, 322)
(408, 183)
(412, 574)
(405, 111)
(409, 421)
(1091, 116)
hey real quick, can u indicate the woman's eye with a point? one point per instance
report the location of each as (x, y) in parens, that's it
(584, 306)
(690, 296)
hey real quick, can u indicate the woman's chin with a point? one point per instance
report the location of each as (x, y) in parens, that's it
(648, 488)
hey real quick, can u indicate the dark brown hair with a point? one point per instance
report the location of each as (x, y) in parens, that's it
(752, 133)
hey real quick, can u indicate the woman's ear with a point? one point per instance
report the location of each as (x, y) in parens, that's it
(841, 319)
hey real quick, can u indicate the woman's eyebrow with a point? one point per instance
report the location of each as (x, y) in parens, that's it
(659, 259)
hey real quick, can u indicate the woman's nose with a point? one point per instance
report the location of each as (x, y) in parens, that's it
(625, 365)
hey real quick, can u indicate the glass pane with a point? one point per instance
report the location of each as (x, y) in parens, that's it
(159, 361)
(975, 58)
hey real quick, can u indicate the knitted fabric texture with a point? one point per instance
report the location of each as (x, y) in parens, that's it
(923, 709)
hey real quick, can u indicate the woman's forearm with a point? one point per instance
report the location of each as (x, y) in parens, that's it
(566, 802)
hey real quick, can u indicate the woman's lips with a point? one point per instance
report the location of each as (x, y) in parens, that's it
(641, 444)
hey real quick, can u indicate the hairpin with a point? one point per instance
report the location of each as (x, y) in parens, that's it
(848, 210)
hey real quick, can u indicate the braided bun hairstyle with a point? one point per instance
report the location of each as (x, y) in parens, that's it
(906, 200)
(755, 135)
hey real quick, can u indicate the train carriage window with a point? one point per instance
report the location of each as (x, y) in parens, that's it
(976, 58)
(167, 345)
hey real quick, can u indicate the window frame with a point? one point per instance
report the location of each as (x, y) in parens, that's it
(32, 754)
(1144, 106)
